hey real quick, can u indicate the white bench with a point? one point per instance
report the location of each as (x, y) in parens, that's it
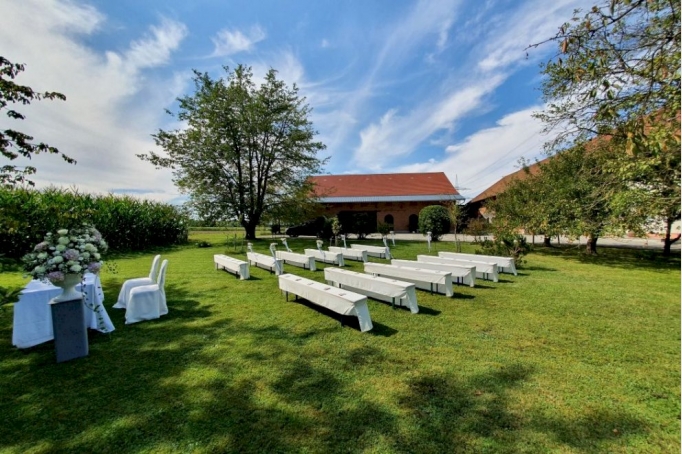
(504, 264)
(350, 254)
(302, 260)
(238, 267)
(375, 251)
(433, 280)
(465, 275)
(338, 300)
(484, 270)
(381, 288)
(267, 262)
(334, 258)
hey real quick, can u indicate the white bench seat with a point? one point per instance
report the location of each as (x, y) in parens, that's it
(484, 270)
(267, 262)
(504, 264)
(350, 254)
(341, 301)
(301, 260)
(464, 275)
(432, 280)
(334, 258)
(374, 251)
(390, 290)
(239, 267)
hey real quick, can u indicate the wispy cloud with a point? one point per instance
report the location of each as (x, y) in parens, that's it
(230, 42)
(94, 125)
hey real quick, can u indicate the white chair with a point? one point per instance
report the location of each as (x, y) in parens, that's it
(148, 302)
(128, 285)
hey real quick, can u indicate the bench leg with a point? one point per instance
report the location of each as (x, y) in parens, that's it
(393, 302)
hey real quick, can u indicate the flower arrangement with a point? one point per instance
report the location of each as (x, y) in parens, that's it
(74, 251)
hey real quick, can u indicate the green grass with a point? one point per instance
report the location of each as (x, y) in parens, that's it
(575, 354)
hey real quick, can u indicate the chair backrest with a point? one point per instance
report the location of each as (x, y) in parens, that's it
(155, 268)
(162, 276)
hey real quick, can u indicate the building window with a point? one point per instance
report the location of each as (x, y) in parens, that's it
(388, 219)
(413, 223)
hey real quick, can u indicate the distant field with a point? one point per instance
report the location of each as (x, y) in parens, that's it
(575, 355)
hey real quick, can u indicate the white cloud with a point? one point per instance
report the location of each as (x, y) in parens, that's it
(484, 157)
(395, 136)
(229, 42)
(112, 104)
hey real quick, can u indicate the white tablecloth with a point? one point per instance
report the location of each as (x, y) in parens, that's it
(338, 300)
(266, 261)
(438, 281)
(505, 264)
(381, 288)
(33, 317)
(484, 270)
(375, 251)
(334, 258)
(461, 274)
(304, 261)
(350, 254)
(240, 267)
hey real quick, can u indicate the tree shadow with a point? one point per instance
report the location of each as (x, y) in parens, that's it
(616, 257)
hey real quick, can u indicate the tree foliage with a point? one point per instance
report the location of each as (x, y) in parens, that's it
(434, 219)
(246, 151)
(616, 76)
(13, 143)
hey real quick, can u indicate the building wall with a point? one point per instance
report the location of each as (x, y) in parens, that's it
(400, 211)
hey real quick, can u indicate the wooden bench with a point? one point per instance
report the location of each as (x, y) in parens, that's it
(292, 258)
(334, 258)
(504, 264)
(432, 280)
(239, 267)
(350, 254)
(464, 275)
(484, 270)
(267, 262)
(341, 301)
(381, 288)
(375, 251)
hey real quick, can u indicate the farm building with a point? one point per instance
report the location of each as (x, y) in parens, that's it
(390, 198)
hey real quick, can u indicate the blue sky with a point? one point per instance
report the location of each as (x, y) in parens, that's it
(395, 86)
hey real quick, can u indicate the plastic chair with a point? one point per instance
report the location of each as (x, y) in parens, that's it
(148, 302)
(130, 284)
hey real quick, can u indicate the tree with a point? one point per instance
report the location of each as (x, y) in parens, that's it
(14, 143)
(246, 151)
(617, 76)
(457, 215)
(434, 219)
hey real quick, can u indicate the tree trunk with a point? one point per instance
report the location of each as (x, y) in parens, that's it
(250, 230)
(547, 241)
(667, 241)
(592, 244)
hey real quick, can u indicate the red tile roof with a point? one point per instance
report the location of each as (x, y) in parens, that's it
(501, 185)
(385, 184)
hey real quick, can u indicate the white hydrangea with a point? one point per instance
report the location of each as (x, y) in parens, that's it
(76, 268)
(39, 269)
(60, 248)
(96, 255)
(42, 255)
(90, 247)
(57, 259)
(63, 240)
(63, 232)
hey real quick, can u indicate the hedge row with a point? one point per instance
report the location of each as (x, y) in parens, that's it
(126, 223)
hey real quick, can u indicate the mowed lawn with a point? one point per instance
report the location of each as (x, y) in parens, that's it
(574, 354)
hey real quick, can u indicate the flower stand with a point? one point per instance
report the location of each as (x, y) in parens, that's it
(70, 332)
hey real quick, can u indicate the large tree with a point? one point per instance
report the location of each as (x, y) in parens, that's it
(245, 150)
(617, 74)
(14, 143)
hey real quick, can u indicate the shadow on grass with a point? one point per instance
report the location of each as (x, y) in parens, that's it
(169, 385)
(615, 257)
(425, 310)
(350, 321)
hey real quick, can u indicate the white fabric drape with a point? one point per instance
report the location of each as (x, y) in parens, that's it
(350, 254)
(265, 261)
(505, 264)
(460, 274)
(304, 261)
(128, 285)
(382, 252)
(484, 270)
(432, 280)
(239, 267)
(334, 258)
(148, 302)
(390, 290)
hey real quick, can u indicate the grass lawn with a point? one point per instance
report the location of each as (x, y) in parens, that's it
(576, 354)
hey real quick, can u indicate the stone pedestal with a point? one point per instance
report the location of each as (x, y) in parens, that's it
(70, 332)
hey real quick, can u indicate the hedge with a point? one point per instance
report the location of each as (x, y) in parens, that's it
(126, 223)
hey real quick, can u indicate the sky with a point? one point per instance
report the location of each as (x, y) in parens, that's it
(395, 86)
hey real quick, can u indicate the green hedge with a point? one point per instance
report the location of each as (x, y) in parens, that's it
(126, 223)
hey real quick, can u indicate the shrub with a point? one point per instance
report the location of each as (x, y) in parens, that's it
(506, 245)
(477, 228)
(26, 215)
(203, 244)
(384, 229)
(434, 219)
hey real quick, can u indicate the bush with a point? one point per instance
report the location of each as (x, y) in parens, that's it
(506, 245)
(384, 229)
(126, 223)
(203, 244)
(434, 219)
